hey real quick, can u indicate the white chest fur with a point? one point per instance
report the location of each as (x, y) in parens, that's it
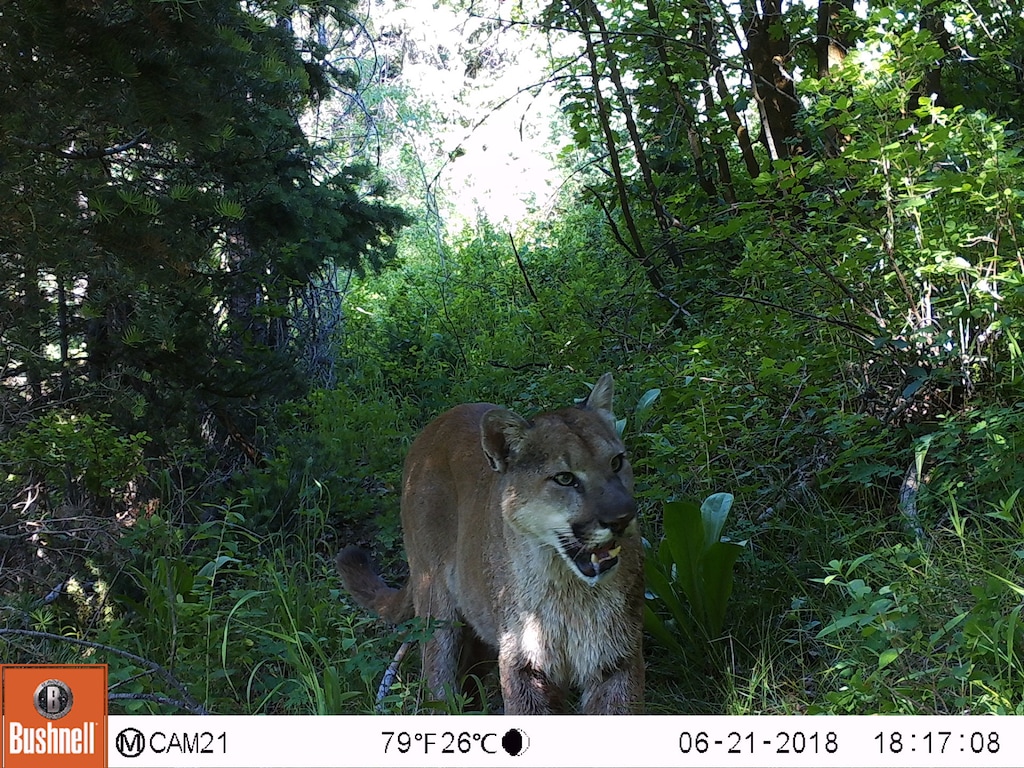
(570, 630)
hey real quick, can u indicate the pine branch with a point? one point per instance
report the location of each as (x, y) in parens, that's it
(92, 153)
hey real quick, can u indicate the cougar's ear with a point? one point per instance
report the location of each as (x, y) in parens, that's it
(600, 398)
(501, 433)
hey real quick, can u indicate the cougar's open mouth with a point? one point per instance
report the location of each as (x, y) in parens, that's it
(592, 563)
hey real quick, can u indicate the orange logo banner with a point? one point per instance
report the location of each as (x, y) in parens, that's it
(53, 715)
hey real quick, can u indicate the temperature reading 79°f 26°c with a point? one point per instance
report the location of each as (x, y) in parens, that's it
(442, 742)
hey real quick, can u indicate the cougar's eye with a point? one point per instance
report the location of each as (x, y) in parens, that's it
(618, 461)
(566, 478)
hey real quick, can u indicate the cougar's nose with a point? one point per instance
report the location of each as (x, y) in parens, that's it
(616, 508)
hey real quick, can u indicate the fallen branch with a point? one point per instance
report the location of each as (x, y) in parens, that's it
(156, 699)
(188, 702)
(390, 674)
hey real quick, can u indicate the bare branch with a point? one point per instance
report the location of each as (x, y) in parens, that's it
(856, 329)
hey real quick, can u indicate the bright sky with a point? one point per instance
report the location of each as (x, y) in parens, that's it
(503, 168)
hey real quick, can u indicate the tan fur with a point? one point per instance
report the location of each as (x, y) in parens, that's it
(496, 513)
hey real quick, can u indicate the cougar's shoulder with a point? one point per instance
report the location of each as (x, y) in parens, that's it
(447, 450)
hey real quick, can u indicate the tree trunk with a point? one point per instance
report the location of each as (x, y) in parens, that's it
(933, 20)
(767, 54)
(637, 247)
(832, 39)
(693, 136)
(35, 310)
(589, 7)
(713, 63)
(64, 329)
(830, 47)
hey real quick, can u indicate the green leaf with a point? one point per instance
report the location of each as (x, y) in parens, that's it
(646, 401)
(685, 536)
(714, 511)
(841, 623)
(657, 629)
(181, 192)
(718, 582)
(133, 336)
(211, 568)
(700, 564)
(659, 584)
(911, 388)
(888, 656)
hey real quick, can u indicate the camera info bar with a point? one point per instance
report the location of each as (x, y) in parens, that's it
(653, 741)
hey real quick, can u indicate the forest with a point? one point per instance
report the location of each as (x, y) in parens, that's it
(240, 270)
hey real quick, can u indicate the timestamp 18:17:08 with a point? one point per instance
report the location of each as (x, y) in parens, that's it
(938, 742)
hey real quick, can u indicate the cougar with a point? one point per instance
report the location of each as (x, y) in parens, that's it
(521, 536)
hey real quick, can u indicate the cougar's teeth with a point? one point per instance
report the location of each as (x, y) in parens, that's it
(611, 554)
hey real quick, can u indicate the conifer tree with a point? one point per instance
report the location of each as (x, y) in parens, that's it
(161, 211)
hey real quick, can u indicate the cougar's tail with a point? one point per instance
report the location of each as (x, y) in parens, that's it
(369, 590)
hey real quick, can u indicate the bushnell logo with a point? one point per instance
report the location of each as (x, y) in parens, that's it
(54, 715)
(53, 699)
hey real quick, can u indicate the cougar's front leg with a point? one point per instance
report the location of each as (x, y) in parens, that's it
(526, 688)
(441, 651)
(441, 660)
(619, 691)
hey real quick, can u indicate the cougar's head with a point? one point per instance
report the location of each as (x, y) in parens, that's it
(566, 481)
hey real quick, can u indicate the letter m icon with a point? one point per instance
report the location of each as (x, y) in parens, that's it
(130, 742)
